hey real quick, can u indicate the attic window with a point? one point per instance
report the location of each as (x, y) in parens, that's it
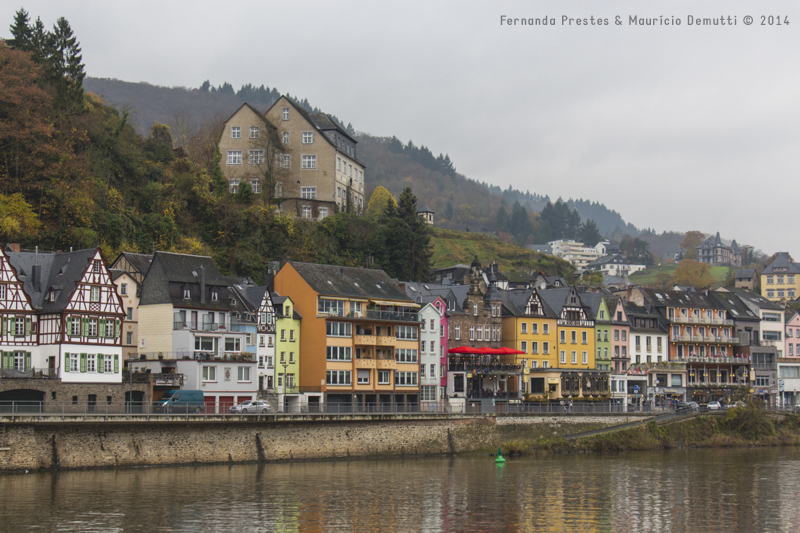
(96, 266)
(187, 294)
(233, 301)
(355, 283)
(379, 286)
(214, 296)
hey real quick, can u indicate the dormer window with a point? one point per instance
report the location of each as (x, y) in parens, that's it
(96, 266)
(214, 296)
(187, 294)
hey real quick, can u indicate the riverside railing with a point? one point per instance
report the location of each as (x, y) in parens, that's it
(154, 411)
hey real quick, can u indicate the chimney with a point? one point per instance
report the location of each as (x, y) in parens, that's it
(272, 270)
(201, 277)
(13, 246)
(36, 278)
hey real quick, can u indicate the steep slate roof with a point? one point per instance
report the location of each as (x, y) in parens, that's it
(277, 301)
(734, 305)
(516, 300)
(60, 271)
(331, 280)
(660, 298)
(636, 311)
(592, 300)
(141, 262)
(756, 300)
(180, 269)
(557, 298)
(424, 209)
(745, 273)
(783, 265)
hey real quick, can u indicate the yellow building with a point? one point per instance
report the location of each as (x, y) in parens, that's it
(287, 353)
(780, 280)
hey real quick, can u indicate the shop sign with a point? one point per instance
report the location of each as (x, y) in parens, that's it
(552, 380)
(469, 376)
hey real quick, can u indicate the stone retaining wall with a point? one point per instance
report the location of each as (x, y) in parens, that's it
(68, 445)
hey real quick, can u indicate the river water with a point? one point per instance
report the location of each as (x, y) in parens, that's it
(724, 490)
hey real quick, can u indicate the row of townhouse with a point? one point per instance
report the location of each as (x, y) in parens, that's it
(314, 334)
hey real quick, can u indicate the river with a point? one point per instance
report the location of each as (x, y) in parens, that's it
(722, 490)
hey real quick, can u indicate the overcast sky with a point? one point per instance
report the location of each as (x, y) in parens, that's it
(676, 127)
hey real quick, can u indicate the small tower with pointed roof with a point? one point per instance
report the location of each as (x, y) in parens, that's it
(426, 213)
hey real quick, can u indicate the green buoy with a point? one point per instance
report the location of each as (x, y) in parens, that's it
(500, 458)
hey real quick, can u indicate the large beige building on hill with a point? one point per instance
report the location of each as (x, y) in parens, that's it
(305, 159)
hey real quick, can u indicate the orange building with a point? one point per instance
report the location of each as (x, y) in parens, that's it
(360, 335)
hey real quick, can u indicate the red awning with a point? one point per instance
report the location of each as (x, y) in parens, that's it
(506, 351)
(465, 349)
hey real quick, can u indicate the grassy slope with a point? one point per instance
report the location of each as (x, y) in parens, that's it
(451, 247)
(737, 427)
(649, 275)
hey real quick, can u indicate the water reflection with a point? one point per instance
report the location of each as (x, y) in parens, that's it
(691, 490)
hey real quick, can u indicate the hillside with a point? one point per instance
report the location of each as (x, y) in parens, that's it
(452, 247)
(459, 202)
(654, 273)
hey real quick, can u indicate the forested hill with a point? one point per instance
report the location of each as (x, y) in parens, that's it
(459, 202)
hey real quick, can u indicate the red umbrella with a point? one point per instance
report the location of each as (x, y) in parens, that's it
(507, 351)
(464, 349)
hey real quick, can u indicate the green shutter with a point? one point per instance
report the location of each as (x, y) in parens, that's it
(27, 361)
(27, 326)
(116, 328)
(4, 326)
(101, 359)
(10, 326)
(116, 364)
(83, 362)
(7, 360)
(66, 362)
(101, 327)
(69, 325)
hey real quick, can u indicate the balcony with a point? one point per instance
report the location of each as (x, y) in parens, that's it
(365, 363)
(385, 340)
(718, 360)
(384, 364)
(167, 380)
(371, 314)
(670, 366)
(205, 326)
(364, 340)
(721, 339)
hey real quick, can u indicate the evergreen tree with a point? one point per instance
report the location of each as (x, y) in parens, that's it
(503, 221)
(65, 64)
(21, 32)
(590, 235)
(205, 87)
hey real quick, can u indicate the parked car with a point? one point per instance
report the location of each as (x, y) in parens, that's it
(180, 402)
(694, 406)
(732, 405)
(796, 409)
(714, 406)
(251, 406)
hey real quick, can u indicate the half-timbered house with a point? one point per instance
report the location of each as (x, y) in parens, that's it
(78, 314)
(18, 321)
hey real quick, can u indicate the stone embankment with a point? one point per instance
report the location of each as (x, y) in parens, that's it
(71, 445)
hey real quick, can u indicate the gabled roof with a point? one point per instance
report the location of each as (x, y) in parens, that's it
(593, 300)
(754, 300)
(745, 273)
(556, 299)
(60, 271)
(331, 280)
(515, 302)
(169, 269)
(277, 301)
(613, 258)
(250, 296)
(736, 308)
(140, 262)
(251, 108)
(322, 122)
(424, 209)
(782, 264)
(661, 298)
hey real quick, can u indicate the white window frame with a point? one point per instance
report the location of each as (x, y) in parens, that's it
(255, 157)
(308, 193)
(287, 137)
(308, 161)
(307, 137)
(236, 132)
(209, 373)
(323, 212)
(307, 211)
(285, 114)
(254, 132)
(234, 157)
